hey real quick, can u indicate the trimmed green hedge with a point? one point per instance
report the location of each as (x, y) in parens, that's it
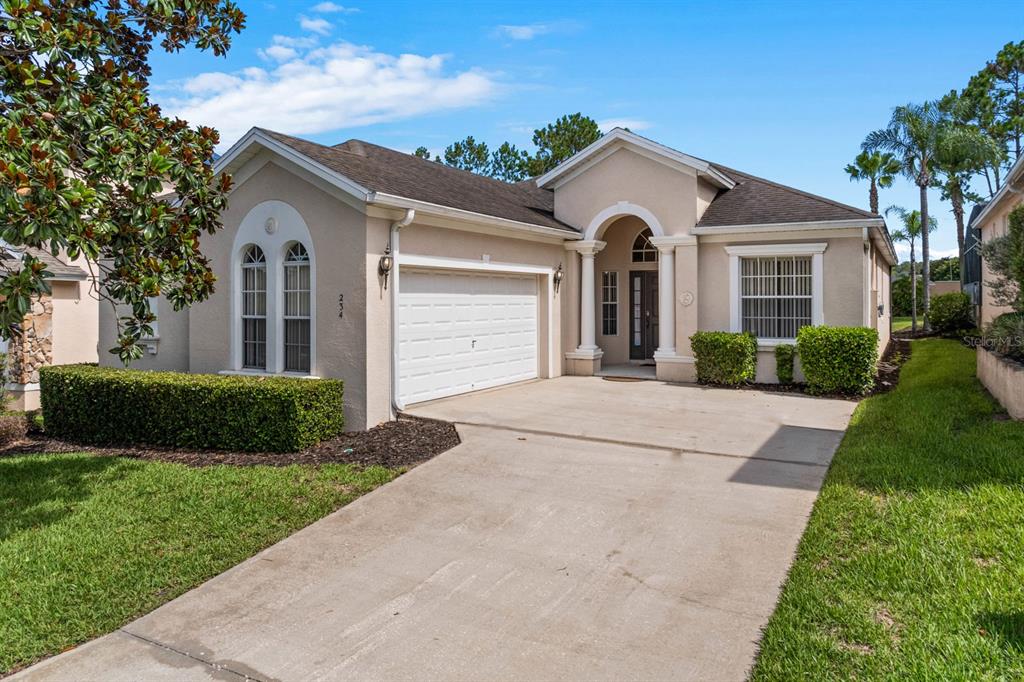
(728, 358)
(950, 313)
(838, 359)
(784, 354)
(108, 406)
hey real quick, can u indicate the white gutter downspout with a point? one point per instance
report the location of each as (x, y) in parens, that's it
(410, 214)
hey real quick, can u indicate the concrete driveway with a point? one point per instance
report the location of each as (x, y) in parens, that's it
(584, 529)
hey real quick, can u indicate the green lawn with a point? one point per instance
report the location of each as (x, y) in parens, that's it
(912, 565)
(901, 323)
(88, 543)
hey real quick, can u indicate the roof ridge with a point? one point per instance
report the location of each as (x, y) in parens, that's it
(794, 190)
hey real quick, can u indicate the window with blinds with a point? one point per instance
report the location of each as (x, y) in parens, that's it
(296, 310)
(609, 303)
(254, 309)
(775, 295)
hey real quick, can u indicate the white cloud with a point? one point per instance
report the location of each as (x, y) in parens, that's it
(302, 43)
(316, 25)
(278, 53)
(327, 88)
(523, 31)
(634, 124)
(332, 8)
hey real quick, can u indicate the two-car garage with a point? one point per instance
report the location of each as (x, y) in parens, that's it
(462, 330)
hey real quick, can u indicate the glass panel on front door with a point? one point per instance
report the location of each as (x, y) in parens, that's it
(643, 318)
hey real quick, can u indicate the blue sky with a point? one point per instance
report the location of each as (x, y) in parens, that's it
(785, 90)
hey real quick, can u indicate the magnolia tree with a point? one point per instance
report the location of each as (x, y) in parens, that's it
(90, 167)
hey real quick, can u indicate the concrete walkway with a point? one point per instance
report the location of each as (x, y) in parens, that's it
(584, 529)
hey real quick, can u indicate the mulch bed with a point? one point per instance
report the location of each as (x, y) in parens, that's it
(405, 442)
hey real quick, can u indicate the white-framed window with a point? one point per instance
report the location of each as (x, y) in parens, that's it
(775, 295)
(610, 303)
(643, 250)
(254, 308)
(775, 289)
(296, 314)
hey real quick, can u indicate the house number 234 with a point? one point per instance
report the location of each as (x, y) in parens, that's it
(341, 305)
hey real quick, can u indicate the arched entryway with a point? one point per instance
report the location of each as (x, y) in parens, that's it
(627, 289)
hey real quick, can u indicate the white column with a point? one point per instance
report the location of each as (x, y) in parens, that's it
(666, 300)
(588, 305)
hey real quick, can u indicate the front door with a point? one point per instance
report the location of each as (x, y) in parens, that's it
(643, 314)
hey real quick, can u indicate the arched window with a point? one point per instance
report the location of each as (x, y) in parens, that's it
(296, 309)
(643, 250)
(254, 309)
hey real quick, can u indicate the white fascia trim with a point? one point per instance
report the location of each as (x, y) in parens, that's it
(68, 278)
(416, 261)
(393, 201)
(776, 249)
(1012, 176)
(619, 135)
(789, 227)
(238, 152)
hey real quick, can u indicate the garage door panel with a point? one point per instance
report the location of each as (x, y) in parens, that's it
(461, 331)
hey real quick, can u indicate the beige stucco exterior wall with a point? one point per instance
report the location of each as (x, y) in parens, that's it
(167, 352)
(843, 285)
(671, 195)
(338, 233)
(994, 226)
(75, 323)
(617, 257)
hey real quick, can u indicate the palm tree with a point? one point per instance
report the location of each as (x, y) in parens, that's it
(878, 168)
(909, 233)
(963, 152)
(913, 134)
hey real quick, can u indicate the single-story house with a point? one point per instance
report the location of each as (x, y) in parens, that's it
(413, 281)
(62, 327)
(992, 221)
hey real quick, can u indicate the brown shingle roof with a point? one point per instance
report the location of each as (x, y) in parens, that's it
(756, 201)
(58, 268)
(752, 201)
(380, 169)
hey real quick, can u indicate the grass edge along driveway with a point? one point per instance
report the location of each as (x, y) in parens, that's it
(912, 563)
(89, 543)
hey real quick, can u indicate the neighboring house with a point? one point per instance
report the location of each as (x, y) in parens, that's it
(992, 221)
(412, 280)
(62, 328)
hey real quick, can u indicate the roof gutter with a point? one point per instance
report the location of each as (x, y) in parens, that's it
(393, 244)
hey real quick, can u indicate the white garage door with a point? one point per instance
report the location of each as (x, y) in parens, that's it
(464, 331)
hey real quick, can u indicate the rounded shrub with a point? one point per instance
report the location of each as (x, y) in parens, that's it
(838, 359)
(784, 354)
(950, 313)
(1005, 335)
(728, 358)
(101, 405)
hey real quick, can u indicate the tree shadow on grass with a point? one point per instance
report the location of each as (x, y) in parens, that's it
(1006, 628)
(39, 491)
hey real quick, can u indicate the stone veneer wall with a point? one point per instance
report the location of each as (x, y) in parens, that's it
(34, 347)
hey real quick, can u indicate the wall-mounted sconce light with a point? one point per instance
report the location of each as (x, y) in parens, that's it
(881, 309)
(559, 274)
(385, 264)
